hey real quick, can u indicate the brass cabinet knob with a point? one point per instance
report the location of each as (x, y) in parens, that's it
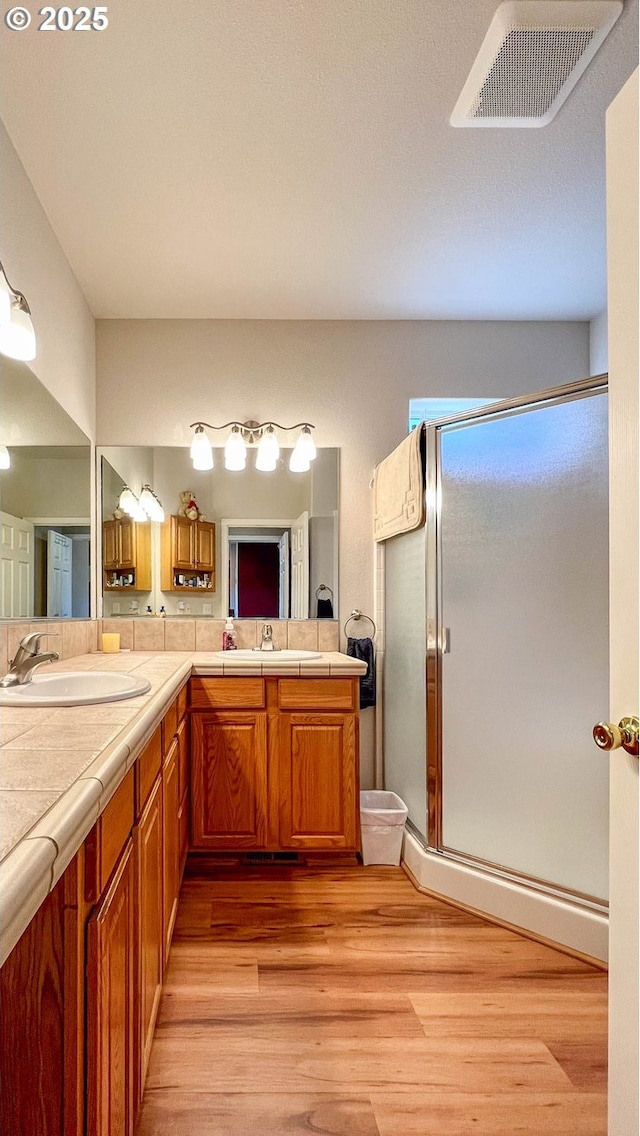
(625, 734)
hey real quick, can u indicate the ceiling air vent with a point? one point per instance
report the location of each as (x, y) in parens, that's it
(532, 56)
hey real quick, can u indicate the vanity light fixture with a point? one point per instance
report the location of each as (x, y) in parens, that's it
(17, 335)
(262, 434)
(146, 508)
(5, 458)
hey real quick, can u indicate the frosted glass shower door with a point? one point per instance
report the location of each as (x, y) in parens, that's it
(523, 594)
(405, 684)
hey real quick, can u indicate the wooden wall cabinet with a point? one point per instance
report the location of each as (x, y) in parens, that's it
(274, 764)
(126, 555)
(187, 554)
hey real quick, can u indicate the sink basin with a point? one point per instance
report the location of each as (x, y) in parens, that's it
(74, 688)
(284, 656)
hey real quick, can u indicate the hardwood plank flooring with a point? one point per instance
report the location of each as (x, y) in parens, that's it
(342, 1002)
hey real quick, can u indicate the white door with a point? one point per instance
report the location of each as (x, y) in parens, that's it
(283, 593)
(16, 567)
(622, 240)
(59, 560)
(300, 567)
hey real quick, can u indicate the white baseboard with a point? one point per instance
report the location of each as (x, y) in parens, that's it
(577, 928)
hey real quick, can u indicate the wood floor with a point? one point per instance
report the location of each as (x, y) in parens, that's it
(341, 1002)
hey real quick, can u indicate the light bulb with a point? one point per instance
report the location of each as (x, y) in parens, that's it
(138, 514)
(151, 504)
(299, 461)
(306, 444)
(235, 451)
(201, 452)
(128, 501)
(268, 451)
(17, 337)
(5, 458)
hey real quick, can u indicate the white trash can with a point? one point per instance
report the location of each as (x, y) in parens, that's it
(382, 819)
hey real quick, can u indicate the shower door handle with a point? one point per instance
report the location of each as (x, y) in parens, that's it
(625, 734)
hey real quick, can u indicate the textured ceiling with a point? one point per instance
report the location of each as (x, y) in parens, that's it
(292, 159)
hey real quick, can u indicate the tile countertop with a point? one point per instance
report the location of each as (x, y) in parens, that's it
(60, 765)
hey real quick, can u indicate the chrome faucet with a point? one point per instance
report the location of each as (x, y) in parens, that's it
(267, 643)
(26, 659)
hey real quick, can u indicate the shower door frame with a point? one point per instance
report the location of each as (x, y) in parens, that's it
(436, 632)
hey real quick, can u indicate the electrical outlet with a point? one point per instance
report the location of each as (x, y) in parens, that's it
(182, 606)
(115, 608)
(206, 609)
(134, 605)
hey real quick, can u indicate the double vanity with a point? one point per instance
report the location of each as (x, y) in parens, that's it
(240, 753)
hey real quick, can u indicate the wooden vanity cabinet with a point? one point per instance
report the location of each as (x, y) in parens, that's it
(110, 1005)
(80, 991)
(187, 551)
(274, 764)
(126, 552)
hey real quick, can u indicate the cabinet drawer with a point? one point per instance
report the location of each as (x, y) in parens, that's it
(147, 768)
(227, 693)
(316, 694)
(108, 837)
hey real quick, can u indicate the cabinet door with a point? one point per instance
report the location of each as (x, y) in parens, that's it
(229, 779)
(127, 544)
(110, 1006)
(183, 542)
(205, 545)
(318, 781)
(171, 845)
(150, 928)
(110, 545)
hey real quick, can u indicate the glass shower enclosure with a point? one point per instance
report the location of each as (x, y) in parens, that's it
(496, 643)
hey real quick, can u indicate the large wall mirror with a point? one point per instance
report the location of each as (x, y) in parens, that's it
(45, 503)
(265, 545)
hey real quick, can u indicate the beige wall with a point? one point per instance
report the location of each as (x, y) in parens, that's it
(352, 379)
(48, 485)
(35, 263)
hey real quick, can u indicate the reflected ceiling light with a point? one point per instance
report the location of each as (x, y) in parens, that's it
(147, 508)
(5, 458)
(17, 335)
(201, 452)
(151, 504)
(260, 434)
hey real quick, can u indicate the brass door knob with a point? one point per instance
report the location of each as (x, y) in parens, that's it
(625, 734)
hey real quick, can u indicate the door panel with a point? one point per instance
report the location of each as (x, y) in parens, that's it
(229, 780)
(523, 589)
(16, 551)
(317, 778)
(59, 561)
(148, 842)
(205, 553)
(622, 240)
(183, 550)
(110, 1007)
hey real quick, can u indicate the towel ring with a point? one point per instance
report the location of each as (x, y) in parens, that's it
(356, 615)
(324, 588)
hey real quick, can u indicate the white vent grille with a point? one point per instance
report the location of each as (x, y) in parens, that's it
(531, 58)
